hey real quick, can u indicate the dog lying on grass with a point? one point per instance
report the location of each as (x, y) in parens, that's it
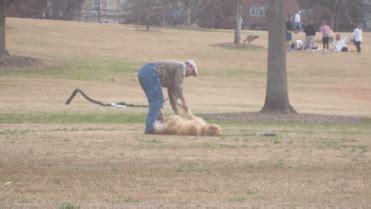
(189, 125)
(250, 38)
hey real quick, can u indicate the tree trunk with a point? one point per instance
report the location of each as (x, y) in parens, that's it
(277, 99)
(3, 51)
(237, 32)
(68, 14)
(188, 13)
(99, 15)
(334, 14)
(147, 20)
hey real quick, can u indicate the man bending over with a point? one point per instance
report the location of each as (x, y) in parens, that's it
(168, 74)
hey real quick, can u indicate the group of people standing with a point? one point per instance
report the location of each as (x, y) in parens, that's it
(339, 44)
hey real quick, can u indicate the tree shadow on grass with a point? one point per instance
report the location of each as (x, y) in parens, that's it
(18, 62)
(242, 46)
(275, 118)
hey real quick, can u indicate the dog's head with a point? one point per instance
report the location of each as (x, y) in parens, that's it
(212, 130)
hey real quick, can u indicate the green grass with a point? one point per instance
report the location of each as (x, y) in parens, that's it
(99, 69)
(233, 72)
(304, 127)
(71, 117)
(68, 206)
(126, 200)
(118, 117)
(106, 69)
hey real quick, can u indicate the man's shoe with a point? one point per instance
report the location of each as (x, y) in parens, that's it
(149, 132)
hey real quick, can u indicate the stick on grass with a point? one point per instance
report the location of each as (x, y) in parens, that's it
(123, 104)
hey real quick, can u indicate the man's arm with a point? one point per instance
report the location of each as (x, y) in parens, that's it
(174, 94)
(178, 89)
(172, 99)
(184, 104)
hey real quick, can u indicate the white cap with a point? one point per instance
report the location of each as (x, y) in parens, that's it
(193, 64)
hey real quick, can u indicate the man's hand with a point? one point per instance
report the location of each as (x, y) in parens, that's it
(162, 118)
(184, 107)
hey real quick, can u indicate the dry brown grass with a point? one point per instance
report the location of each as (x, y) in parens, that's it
(305, 165)
(114, 165)
(234, 79)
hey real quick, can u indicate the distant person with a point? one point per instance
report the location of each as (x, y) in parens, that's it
(241, 22)
(340, 44)
(326, 33)
(357, 37)
(169, 74)
(289, 29)
(297, 21)
(297, 45)
(310, 33)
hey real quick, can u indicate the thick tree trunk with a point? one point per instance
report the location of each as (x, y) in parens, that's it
(237, 32)
(277, 99)
(3, 50)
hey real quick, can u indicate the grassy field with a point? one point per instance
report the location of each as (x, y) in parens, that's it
(81, 155)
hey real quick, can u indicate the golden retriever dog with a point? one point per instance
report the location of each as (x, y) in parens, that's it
(250, 38)
(189, 125)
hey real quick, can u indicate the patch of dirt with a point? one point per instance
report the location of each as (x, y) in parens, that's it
(308, 118)
(16, 62)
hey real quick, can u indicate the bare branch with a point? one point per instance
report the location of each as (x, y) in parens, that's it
(8, 2)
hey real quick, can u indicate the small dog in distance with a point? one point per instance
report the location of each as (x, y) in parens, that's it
(250, 38)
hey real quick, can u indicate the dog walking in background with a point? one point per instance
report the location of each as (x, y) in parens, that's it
(250, 38)
(188, 125)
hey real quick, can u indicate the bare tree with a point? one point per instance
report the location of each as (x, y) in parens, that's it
(188, 12)
(277, 98)
(51, 9)
(3, 5)
(238, 27)
(65, 10)
(28, 9)
(340, 13)
(148, 12)
(204, 13)
(216, 14)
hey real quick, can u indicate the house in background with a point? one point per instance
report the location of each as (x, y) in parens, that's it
(255, 16)
(104, 11)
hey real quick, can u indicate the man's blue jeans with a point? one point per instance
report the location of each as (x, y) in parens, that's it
(151, 84)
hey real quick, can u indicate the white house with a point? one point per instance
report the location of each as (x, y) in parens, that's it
(104, 11)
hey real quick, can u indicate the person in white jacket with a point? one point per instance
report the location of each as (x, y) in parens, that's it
(357, 37)
(340, 44)
(297, 21)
